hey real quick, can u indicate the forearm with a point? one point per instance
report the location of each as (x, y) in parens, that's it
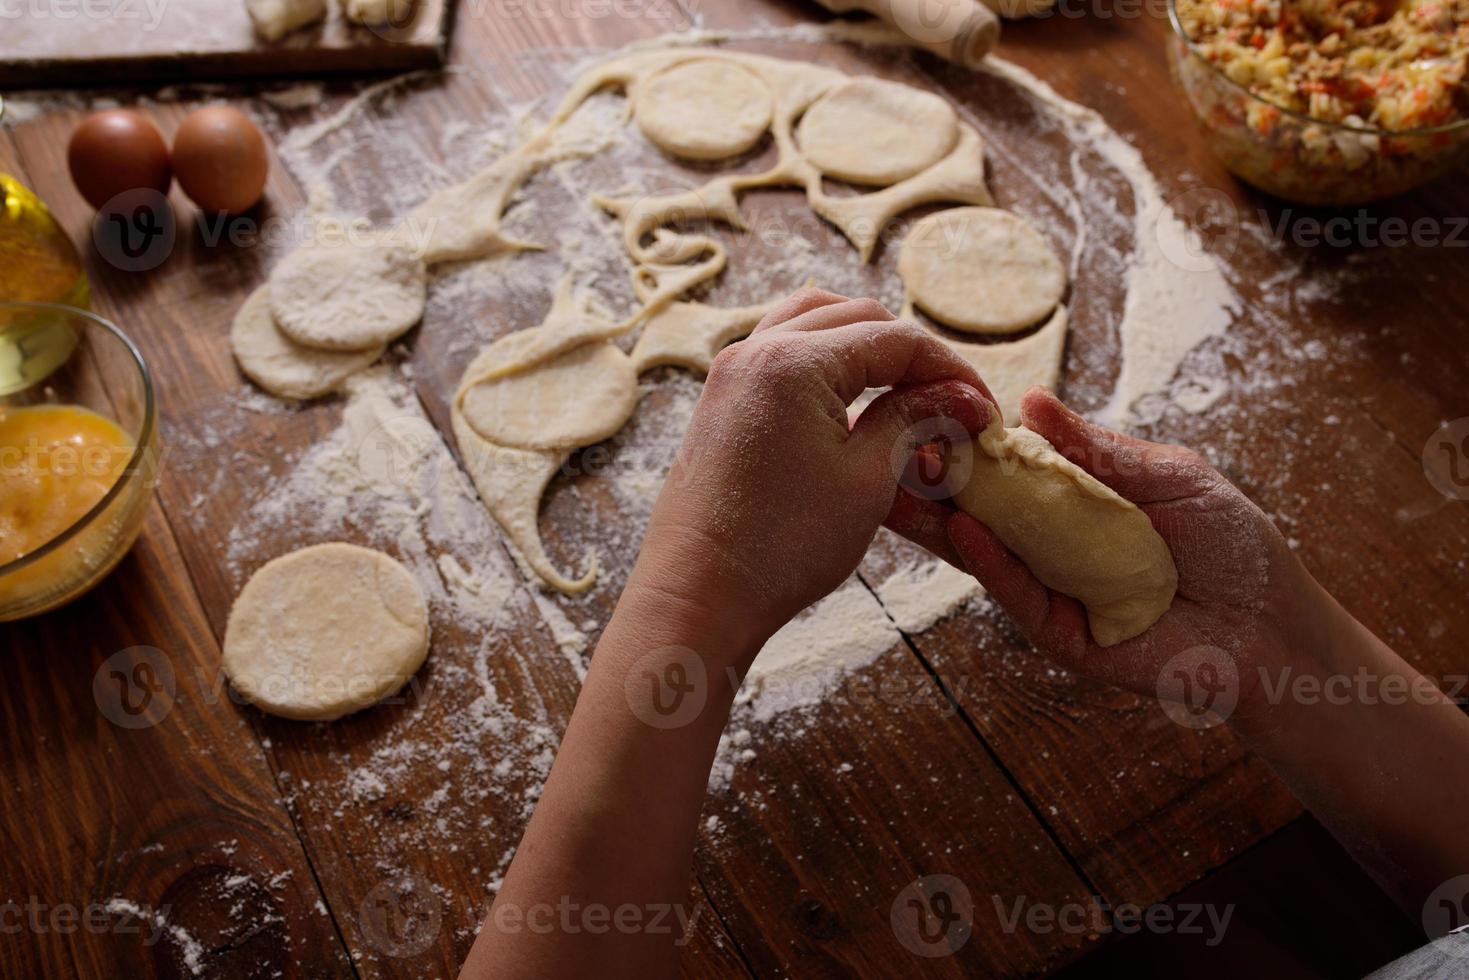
(1374, 750)
(616, 822)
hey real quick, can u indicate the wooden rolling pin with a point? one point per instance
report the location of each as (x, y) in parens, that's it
(961, 31)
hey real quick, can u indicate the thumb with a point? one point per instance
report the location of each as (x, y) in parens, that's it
(905, 418)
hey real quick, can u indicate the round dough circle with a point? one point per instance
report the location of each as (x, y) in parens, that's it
(348, 296)
(576, 399)
(982, 270)
(325, 631)
(869, 131)
(703, 110)
(283, 367)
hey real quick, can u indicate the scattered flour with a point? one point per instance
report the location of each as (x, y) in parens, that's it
(387, 473)
(384, 476)
(189, 948)
(920, 594)
(812, 653)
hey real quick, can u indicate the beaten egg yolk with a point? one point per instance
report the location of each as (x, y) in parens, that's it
(56, 462)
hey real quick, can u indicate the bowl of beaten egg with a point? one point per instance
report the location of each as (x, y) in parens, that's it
(78, 453)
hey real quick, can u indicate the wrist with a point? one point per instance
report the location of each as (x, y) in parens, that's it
(688, 581)
(1321, 653)
(672, 604)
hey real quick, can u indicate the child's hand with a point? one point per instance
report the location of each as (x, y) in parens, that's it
(1241, 595)
(774, 498)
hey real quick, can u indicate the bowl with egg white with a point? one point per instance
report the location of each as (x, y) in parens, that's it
(78, 453)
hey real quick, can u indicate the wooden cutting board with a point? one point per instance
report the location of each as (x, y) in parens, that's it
(196, 40)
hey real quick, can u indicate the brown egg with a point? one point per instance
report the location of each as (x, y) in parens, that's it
(220, 159)
(114, 151)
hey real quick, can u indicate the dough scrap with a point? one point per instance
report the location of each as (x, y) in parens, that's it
(283, 367)
(691, 335)
(871, 131)
(958, 177)
(983, 270)
(274, 19)
(571, 323)
(510, 483)
(348, 296)
(576, 399)
(570, 341)
(325, 631)
(708, 109)
(1073, 532)
(1010, 368)
(463, 221)
(510, 479)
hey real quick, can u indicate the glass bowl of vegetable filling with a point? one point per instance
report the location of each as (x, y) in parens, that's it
(1327, 102)
(78, 453)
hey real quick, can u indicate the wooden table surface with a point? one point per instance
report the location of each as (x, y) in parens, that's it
(254, 838)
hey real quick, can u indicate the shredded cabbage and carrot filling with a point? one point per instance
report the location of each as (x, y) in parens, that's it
(1391, 65)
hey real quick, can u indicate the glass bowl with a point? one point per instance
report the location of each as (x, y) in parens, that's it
(1301, 159)
(51, 354)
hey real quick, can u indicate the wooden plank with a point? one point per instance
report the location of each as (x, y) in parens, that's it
(54, 45)
(415, 840)
(159, 849)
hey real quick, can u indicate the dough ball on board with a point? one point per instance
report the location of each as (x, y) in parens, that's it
(378, 13)
(703, 110)
(870, 131)
(274, 19)
(283, 367)
(348, 295)
(576, 399)
(982, 270)
(325, 631)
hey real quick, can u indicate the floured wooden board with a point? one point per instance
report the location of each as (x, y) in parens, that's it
(65, 45)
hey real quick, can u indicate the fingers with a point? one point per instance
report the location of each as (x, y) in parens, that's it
(800, 302)
(839, 314)
(860, 344)
(899, 421)
(1053, 622)
(1003, 575)
(886, 353)
(924, 522)
(1143, 472)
